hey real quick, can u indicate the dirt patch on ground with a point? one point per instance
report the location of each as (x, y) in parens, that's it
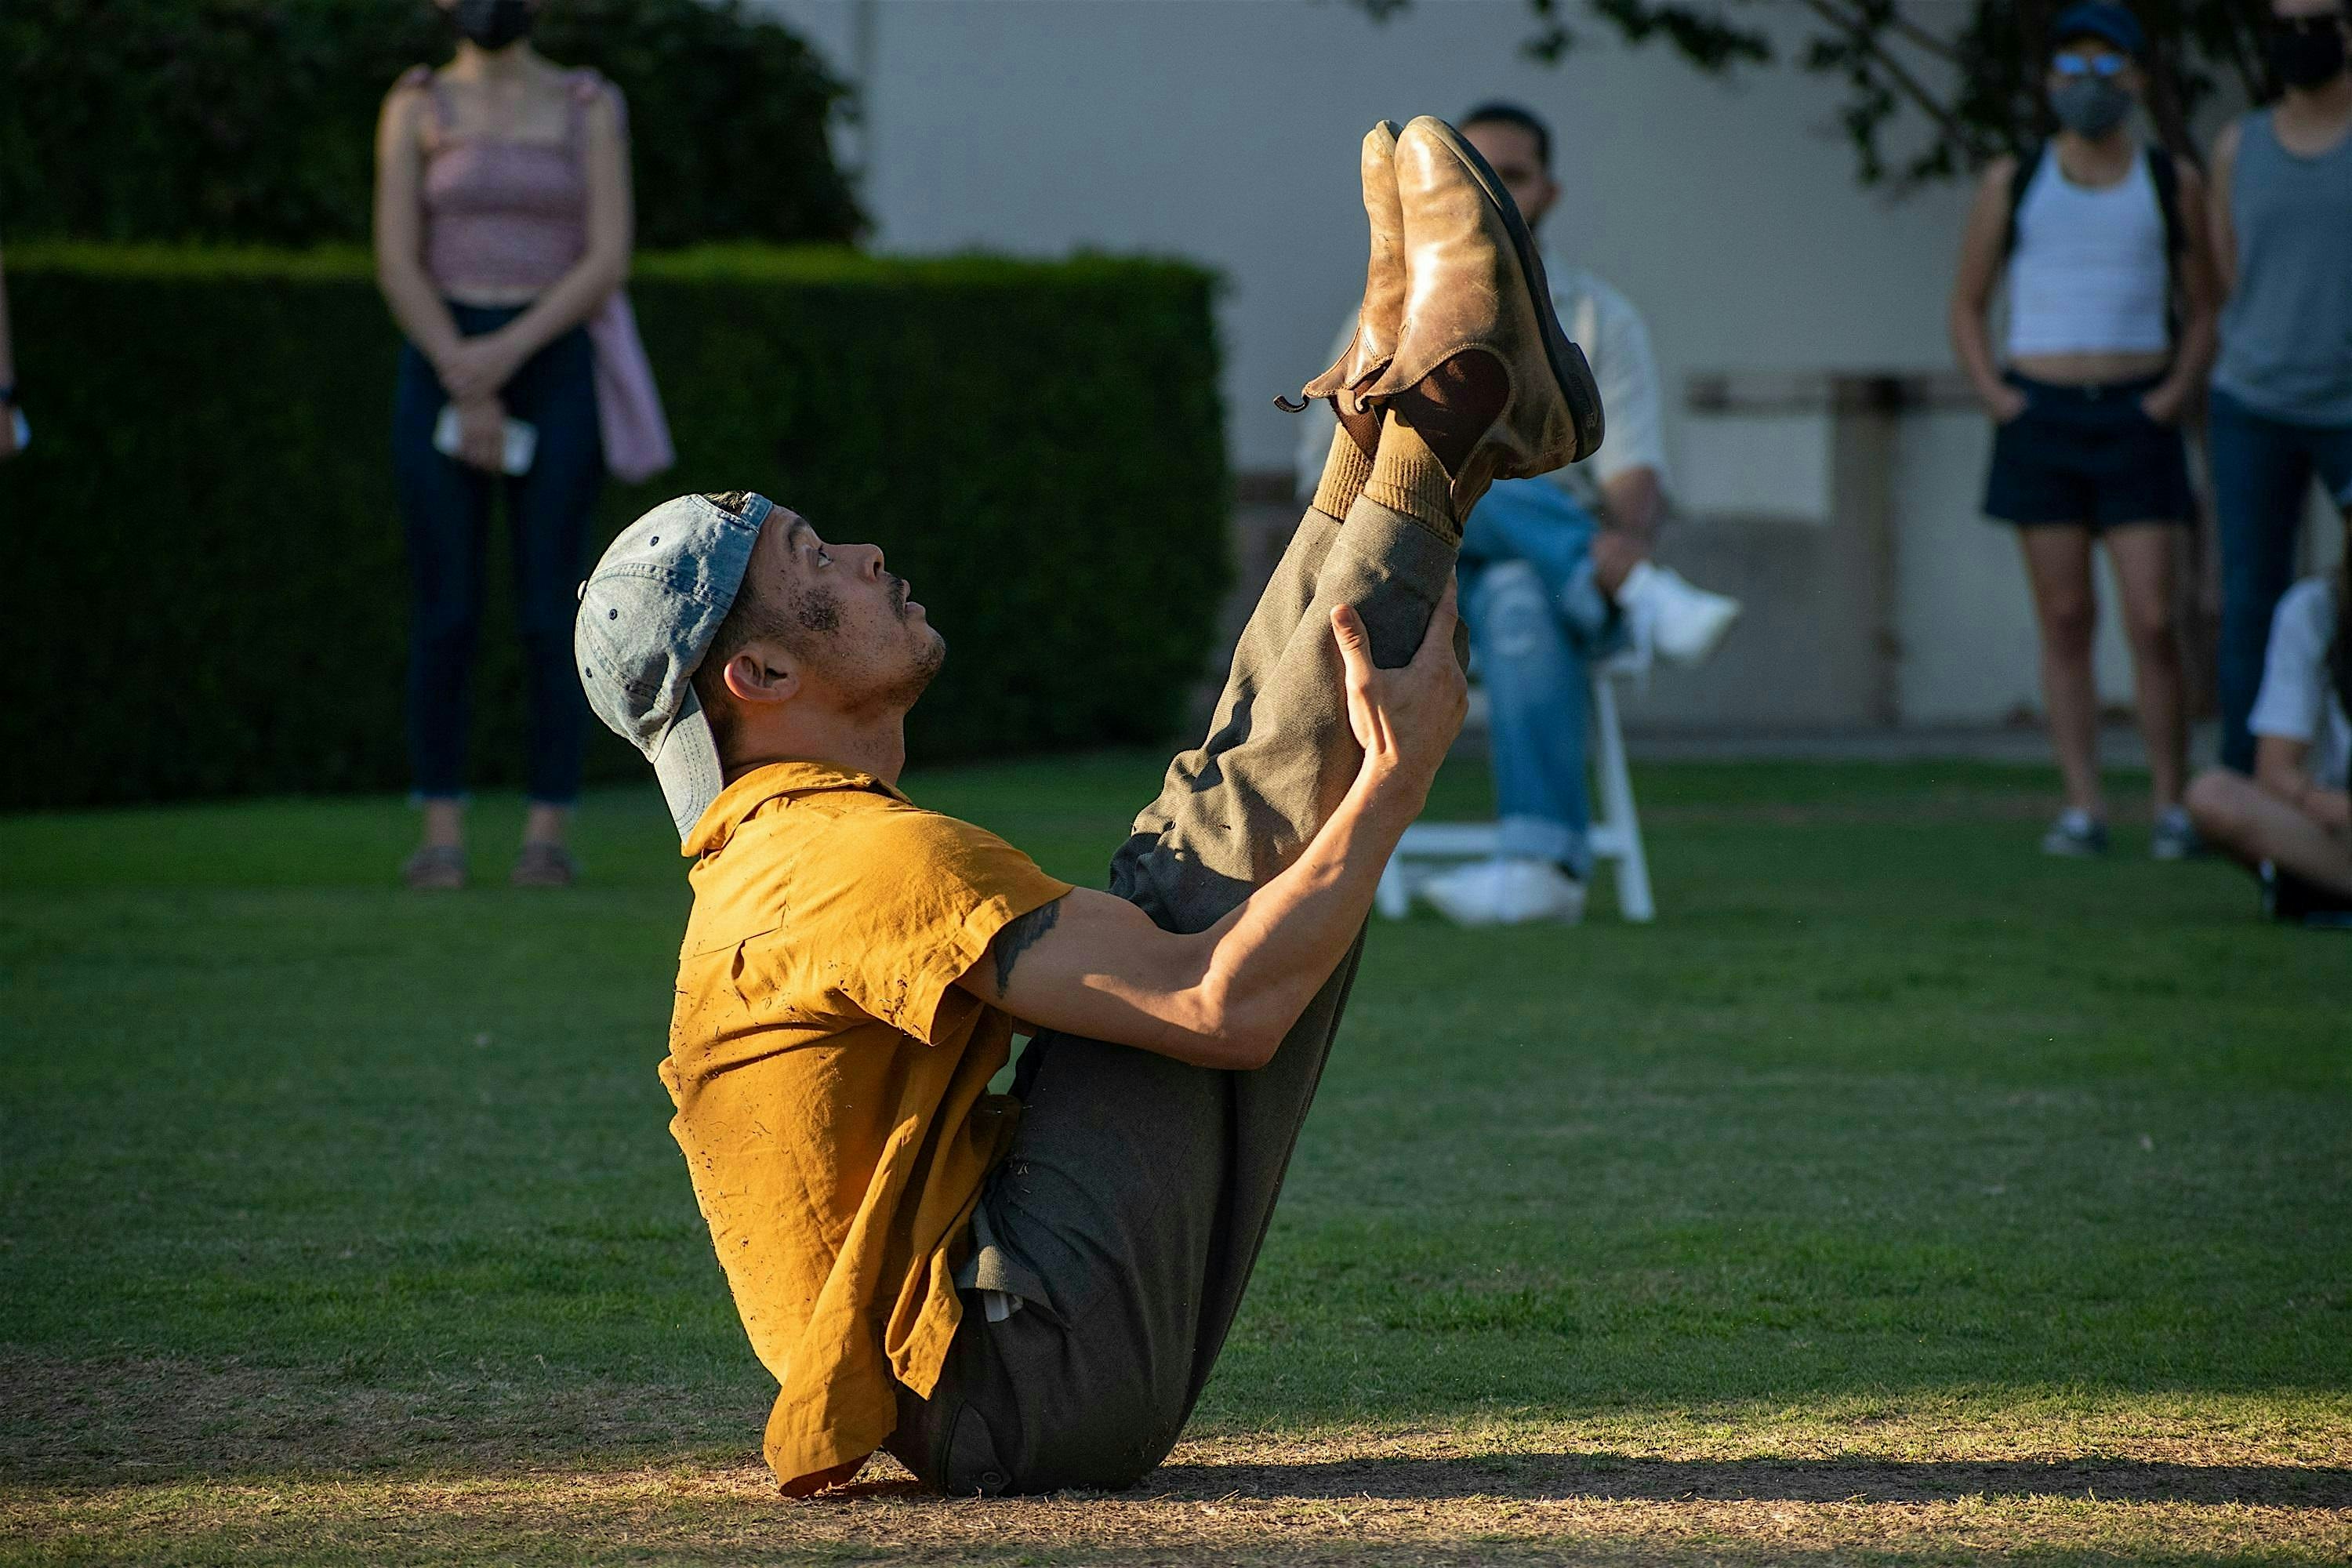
(736, 1516)
(156, 1460)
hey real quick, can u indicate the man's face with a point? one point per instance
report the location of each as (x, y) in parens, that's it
(1511, 150)
(857, 640)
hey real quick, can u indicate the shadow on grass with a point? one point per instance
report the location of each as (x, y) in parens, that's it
(1607, 1477)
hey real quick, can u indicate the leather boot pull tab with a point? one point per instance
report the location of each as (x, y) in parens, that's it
(1286, 405)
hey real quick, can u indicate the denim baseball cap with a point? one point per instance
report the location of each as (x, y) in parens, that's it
(647, 613)
(2101, 19)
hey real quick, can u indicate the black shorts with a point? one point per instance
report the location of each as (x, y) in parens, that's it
(2087, 454)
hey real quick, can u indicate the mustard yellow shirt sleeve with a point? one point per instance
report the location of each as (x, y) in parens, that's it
(920, 895)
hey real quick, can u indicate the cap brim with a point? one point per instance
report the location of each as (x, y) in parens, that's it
(687, 763)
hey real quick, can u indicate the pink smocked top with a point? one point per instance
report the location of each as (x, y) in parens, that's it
(501, 213)
(508, 215)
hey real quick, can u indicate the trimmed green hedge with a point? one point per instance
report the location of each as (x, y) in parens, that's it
(209, 594)
(254, 121)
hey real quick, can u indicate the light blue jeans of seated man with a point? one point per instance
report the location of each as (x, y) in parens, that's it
(1538, 622)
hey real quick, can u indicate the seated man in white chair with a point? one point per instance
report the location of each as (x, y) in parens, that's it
(1556, 576)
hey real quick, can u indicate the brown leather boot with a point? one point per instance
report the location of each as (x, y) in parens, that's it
(1474, 281)
(1378, 317)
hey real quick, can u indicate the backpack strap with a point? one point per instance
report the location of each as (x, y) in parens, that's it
(2020, 180)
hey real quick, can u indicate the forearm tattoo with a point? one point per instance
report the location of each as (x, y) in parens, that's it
(1018, 936)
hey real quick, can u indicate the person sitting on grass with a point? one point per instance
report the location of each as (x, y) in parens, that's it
(855, 967)
(2292, 821)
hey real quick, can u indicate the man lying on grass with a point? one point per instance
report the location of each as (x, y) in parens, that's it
(854, 966)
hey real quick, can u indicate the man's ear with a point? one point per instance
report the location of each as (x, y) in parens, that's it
(758, 677)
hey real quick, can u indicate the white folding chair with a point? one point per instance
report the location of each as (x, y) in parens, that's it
(1615, 835)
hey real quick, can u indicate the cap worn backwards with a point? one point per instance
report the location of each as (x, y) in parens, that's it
(647, 613)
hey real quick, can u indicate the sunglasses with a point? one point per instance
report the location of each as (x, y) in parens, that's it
(2101, 65)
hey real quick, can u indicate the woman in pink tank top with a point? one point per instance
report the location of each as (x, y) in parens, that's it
(502, 235)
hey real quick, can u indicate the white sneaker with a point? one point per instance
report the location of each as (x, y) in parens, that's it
(1679, 622)
(1508, 890)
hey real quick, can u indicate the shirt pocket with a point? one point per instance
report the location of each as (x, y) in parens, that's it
(714, 963)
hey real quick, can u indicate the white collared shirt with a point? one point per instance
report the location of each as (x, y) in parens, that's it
(2298, 700)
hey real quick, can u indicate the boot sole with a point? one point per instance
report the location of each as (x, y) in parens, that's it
(1569, 368)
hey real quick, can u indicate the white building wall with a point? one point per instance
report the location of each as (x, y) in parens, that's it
(1226, 130)
(1964, 613)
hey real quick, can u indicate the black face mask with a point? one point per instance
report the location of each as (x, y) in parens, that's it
(491, 24)
(2309, 54)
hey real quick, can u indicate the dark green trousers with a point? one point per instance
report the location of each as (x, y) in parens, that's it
(1129, 1211)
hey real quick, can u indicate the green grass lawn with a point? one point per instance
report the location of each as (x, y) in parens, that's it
(1899, 1197)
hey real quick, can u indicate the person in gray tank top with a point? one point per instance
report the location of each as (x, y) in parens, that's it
(2281, 403)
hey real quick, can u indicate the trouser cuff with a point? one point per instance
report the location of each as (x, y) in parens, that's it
(1542, 838)
(1598, 621)
(1380, 543)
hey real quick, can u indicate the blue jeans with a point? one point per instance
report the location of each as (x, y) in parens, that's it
(445, 508)
(2263, 469)
(1537, 622)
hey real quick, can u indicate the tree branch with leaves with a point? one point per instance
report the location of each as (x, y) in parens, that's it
(1932, 88)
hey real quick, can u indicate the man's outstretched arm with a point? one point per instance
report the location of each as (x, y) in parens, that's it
(1096, 966)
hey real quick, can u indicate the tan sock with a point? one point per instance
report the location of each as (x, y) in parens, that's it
(1345, 469)
(1407, 478)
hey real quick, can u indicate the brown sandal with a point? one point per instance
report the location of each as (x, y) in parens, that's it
(434, 869)
(544, 865)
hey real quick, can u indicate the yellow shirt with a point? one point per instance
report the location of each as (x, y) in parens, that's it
(831, 1082)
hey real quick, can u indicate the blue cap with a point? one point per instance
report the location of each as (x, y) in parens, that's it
(647, 613)
(2101, 19)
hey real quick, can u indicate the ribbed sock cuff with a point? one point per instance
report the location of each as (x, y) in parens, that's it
(1407, 478)
(1344, 471)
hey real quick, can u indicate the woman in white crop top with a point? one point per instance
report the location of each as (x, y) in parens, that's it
(2110, 332)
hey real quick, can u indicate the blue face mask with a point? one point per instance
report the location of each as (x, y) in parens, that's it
(2089, 105)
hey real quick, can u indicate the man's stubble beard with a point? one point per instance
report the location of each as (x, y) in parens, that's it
(818, 615)
(899, 694)
(927, 664)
